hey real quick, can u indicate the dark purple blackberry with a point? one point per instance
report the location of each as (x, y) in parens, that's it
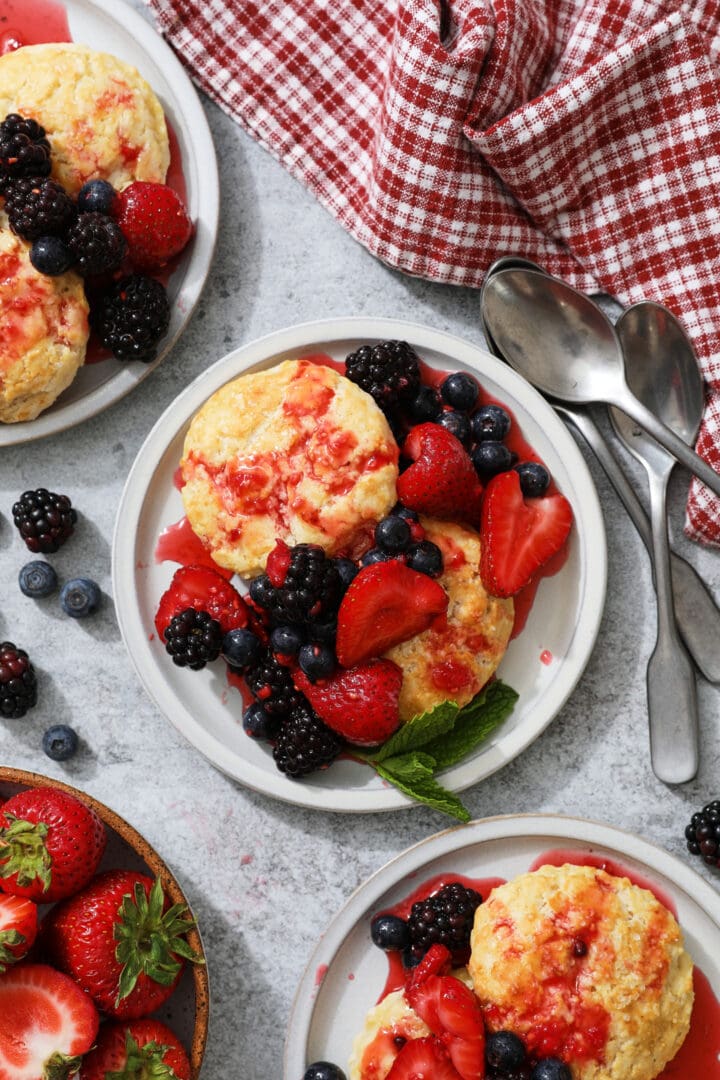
(703, 833)
(24, 149)
(389, 372)
(447, 918)
(96, 243)
(131, 317)
(38, 207)
(44, 520)
(304, 743)
(311, 589)
(18, 685)
(193, 639)
(271, 684)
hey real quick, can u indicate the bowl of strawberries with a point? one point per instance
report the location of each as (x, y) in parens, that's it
(102, 970)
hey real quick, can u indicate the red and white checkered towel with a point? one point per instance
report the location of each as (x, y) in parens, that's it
(583, 134)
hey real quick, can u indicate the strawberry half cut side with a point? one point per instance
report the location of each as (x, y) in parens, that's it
(18, 928)
(452, 1012)
(442, 481)
(423, 1059)
(359, 703)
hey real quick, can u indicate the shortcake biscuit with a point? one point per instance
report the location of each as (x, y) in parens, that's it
(102, 118)
(297, 453)
(454, 661)
(584, 966)
(375, 1047)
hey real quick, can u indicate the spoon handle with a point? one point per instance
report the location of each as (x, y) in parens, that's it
(666, 437)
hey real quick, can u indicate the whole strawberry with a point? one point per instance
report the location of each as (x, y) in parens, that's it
(51, 844)
(154, 222)
(136, 1049)
(121, 941)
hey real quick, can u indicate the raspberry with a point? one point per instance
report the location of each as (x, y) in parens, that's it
(24, 149)
(44, 520)
(272, 685)
(446, 917)
(38, 208)
(18, 686)
(388, 371)
(304, 744)
(132, 317)
(96, 244)
(703, 833)
(193, 639)
(308, 590)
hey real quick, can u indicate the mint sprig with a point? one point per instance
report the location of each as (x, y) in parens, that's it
(437, 739)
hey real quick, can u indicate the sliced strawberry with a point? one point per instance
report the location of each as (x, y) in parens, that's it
(359, 703)
(386, 603)
(47, 1023)
(423, 1059)
(518, 535)
(436, 961)
(18, 928)
(442, 481)
(136, 1049)
(278, 563)
(453, 1014)
(154, 221)
(204, 589)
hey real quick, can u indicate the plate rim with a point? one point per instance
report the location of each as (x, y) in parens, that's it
(179, 412)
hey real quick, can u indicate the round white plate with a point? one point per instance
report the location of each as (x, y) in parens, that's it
(346, 972)
(562, 626)
(111, 26)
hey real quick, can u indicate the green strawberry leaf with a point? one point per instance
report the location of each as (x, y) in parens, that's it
(425, 790)
(473, 724)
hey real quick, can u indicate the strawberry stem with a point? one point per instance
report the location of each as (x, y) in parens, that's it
(60, 1066)
(143, 1062)
(23, 851)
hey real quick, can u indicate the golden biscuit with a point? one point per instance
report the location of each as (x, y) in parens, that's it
(101, 117)
(44, 324)
(454, 662)
(374, 1048)
(586, 967)
(298, 453)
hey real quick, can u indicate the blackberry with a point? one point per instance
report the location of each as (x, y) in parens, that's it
(304, 743)
(311, 589)
(45, 520)
(24, 149)
(18, 685)
(272, 686)
(446, 917)
(389, 372)
(96, 244)
(38, 207)
(193, 639)
(131, 317)
(703, 833)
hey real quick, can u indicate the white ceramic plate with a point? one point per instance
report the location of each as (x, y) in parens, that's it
(562, 625)
(112, 26)
(346, 972)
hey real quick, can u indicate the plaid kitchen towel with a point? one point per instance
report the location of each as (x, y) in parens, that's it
(582, 134)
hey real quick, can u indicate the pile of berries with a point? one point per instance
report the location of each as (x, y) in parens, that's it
(703, 834)
(444, 917)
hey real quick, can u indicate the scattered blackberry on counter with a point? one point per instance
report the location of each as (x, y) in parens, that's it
(193, 639)
(490, 422)
(271, 685)
(425, 557)
(18, 684)
(131, 317)
(311, 588)
(37, 579)
(44, 520)
(534, 479)
(38, 207)
(80, 597)
(504, 1051)
(95, 196)
(50, 255)
(460, 391)
(258, 724)
(304, 743)
(60, 742)
(389, 932)
(324, 1070)
(240, 648)
(24, 149)
(703, 833)
(96, 244)
(388, 371)
(447, 918)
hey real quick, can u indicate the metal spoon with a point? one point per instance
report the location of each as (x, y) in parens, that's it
(567, 347)
(662, 371)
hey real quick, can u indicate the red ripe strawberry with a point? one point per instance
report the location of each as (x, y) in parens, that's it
(18, 928)
(202, 588)
(385, 603)
(136, 1049)
(453, 1014)
(51, 844)
(518, 535)
(121, 942)
(436, 961)
(442, 481)
(423, 1059)
(360, 703)
(154, 222)
(47, 1023)
(278, 563)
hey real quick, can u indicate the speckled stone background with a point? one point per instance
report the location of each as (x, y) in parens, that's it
(264, 878)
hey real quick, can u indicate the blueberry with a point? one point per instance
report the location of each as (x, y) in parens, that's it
(324, 631)
(490, 458)
(95, 196)
(37, 579)
(425, 405)
(399, 510)
(456, 423)
(324, 1070)
(240, 648)
(60, 742)
(460, 390)
(375, 555)
(490, 422)
(411, 957)
(257, 723)
(534, 479)
(551, 1069)
(504, 1051)
(392, 534)
(389, 932)
(425, 557)
(285, 640)
(316, 660)
(79, 597)
(50, 255)
(347, 570)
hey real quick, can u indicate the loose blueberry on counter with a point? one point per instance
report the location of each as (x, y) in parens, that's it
(316, 660)
(425, 557)
(392, 534)
(51, 256)
(460, 391)
(490, 422)
(95, 196)
(37, 579)
(425, 405)
(504, 1051)
(257, 723)
(389, 932)
(79, 597)
(534, 479)
(240, 648)
(60, 742)
(551, 1069)
(491, 458)
(324, 1070)
(456, 423)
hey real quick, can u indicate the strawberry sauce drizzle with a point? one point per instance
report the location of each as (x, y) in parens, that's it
(178, 543)
(31, 22)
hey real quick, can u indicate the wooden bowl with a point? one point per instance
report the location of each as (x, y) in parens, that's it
(188, 1009)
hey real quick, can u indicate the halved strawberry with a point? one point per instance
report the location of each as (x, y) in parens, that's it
(436, 961)
(18, 928)
(453, 1014)
(46, 1023)
(423, 1059)
(154, 221)
(359, 703)
(518, 535)
(203, 589)
(442, 481)
(135, 1050)
(386, 603)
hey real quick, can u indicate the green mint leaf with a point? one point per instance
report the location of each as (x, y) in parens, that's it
(413, 766)
(422, 729)
(427, 791)
(474, 722)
